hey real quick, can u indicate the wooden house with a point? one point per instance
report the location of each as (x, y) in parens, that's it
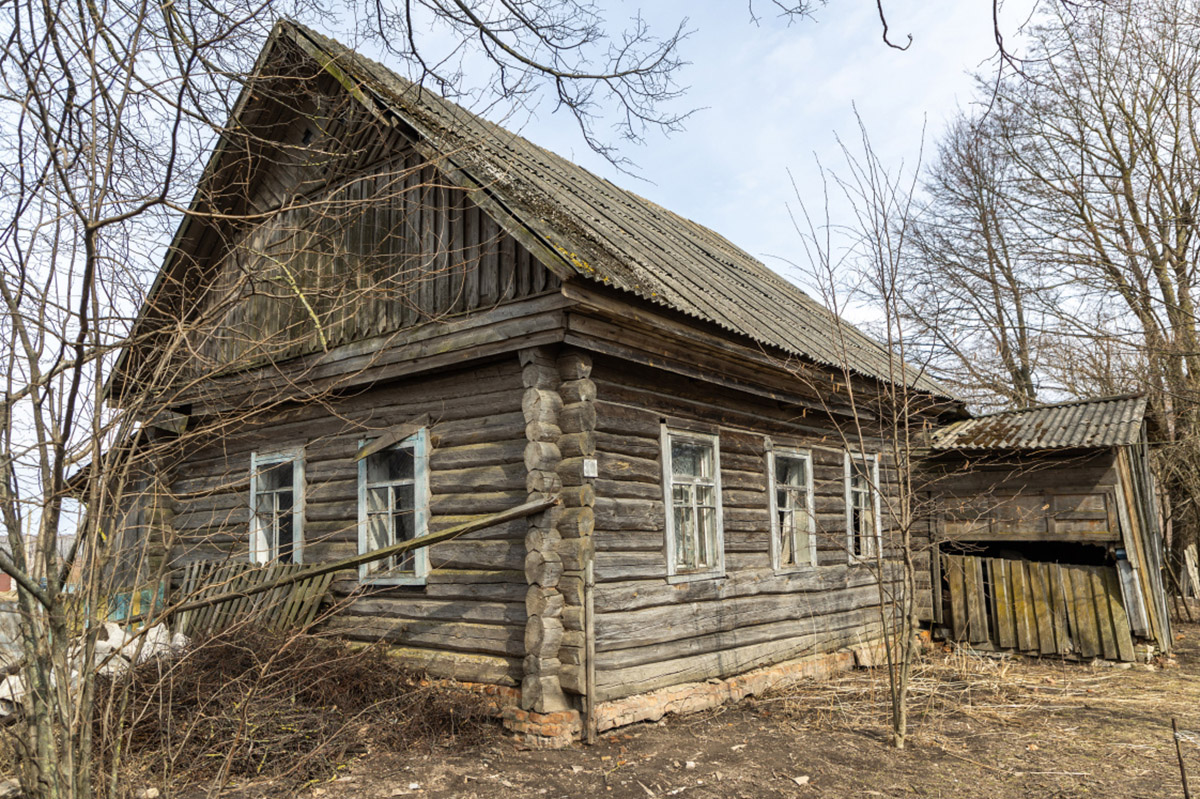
(385, 316)
(1047, 529)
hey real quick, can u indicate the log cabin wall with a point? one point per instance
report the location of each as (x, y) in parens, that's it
(650, 633)
(469, 620)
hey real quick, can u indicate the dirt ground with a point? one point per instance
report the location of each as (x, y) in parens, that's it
(982, 727)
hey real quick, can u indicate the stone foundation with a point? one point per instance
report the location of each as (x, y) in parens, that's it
(690, 697)
(543, 730)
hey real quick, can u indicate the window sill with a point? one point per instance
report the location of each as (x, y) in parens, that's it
(691, 577)
(391, 581)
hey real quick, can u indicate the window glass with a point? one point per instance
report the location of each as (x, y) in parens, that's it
(392, 483)
(792, 524)
(275, 531)
(694, 523)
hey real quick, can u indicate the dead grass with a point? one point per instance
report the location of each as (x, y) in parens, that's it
(250, 705)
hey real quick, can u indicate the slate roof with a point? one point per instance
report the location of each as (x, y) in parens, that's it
(612, 236)
(1101, 422)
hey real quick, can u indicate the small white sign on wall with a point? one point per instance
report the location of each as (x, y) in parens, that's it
(590, 468)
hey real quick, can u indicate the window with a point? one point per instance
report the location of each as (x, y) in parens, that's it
(692, 494)
(393, 506)
(793, 533)
(277, 507)
(863, 536)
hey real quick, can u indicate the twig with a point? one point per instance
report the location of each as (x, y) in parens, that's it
(1187, 794)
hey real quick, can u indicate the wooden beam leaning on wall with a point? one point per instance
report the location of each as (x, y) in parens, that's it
(531, 508)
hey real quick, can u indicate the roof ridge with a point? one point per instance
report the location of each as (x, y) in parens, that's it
(1062, 404)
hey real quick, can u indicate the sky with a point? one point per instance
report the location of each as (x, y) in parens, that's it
(772, 99)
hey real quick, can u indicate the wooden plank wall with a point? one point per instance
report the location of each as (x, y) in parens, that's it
(650, 634)
(469, 621)
(391, 247)
(1038, 608)
(1061, 497)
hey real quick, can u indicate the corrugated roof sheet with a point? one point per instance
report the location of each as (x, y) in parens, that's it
(613, 236)
(1102, 422)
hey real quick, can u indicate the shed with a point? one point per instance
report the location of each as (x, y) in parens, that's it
(1048, 530)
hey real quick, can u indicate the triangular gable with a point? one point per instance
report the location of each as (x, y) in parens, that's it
(581, 226)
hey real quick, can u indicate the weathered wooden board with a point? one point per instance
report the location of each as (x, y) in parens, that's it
(1039, 608)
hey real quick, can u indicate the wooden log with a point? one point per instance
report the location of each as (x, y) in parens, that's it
(543, 568)
(572, 391)
(542, 539)
(628, 514)
(616, 683)
(581, 496)
(541, 455)
(575, 553)
(539, 666)
(504, 477)
(484, 639)
(576, 522)
(536, 375)
(577, 445)
(541, 481)
(543, 602)
(573, 679)
(481, 502)
(541, 405)
(692, 619)
(641, 470)
(473, 455)
(543, 695)
(570, 585)
(575, 365)
(579, 417)
(542, 431)
(417, 608)
(543, 636)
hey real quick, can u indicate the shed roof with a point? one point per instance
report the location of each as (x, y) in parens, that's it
(1099, 422)
(607, 234)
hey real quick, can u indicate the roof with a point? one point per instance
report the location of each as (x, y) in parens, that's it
(1099, 422)
(612, 236)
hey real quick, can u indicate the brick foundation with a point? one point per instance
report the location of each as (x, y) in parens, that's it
(690, 697)
(543, 730)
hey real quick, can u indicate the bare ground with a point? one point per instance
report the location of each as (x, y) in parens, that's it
(982, 727)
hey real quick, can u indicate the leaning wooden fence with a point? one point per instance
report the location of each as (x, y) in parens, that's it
(293, 604)
(1042, 608)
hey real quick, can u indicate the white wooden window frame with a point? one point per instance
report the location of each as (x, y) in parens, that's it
(809, 508)
(873, 544)
(260, 552)
(418, 442)
(674, 574)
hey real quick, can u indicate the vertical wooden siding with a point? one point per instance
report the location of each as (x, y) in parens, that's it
(390, 248)
(650, 634)
(468, 622)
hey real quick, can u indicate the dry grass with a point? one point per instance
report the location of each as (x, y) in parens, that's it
(250, 704)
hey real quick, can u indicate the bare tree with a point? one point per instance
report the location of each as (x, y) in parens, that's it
(864, 257)
(973, 291)
(1087, 231)
(108, 115)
